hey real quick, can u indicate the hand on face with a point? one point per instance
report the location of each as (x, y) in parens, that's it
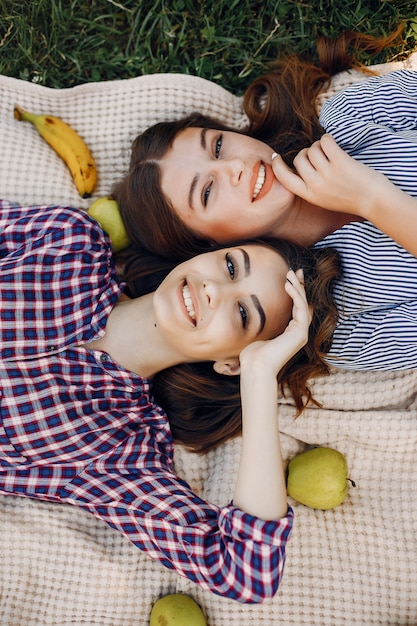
(326, 176)
(275, 353)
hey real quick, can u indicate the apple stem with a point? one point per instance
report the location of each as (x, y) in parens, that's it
(352, 482)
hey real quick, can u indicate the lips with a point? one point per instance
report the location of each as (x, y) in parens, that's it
(261, 181)
(188, 301)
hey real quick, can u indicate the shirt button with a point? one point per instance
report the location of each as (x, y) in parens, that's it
(104, 358)
(51, 348)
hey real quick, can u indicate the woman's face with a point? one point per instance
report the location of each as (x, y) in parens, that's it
(222, 186)
(212, 306)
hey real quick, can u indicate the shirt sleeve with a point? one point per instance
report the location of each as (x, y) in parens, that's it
(375, 121)
(57, 277)
(224, 549)
(376, 301)
(378, 340)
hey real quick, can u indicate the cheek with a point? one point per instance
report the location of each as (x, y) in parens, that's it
(235, 223)
(218, 341)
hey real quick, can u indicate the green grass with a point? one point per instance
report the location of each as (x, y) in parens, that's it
(61, 43)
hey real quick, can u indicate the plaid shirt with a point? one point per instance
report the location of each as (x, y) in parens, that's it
(78, 428)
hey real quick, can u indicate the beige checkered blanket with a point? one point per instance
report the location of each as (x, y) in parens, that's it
(356, 564)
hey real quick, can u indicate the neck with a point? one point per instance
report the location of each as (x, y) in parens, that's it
(133, 340)
(310, 223)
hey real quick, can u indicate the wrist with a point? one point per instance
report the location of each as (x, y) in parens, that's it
(257, 370)
(384, 195)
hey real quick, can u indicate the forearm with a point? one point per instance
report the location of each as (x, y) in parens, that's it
(394, 212)
(224, 549)
(260, 488)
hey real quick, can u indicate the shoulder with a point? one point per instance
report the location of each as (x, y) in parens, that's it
(400, 79)
(365, 243)
(352, 232)
(395, 90)
(63, 225)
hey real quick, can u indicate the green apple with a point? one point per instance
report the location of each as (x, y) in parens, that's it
(318, 478)
(177, 609)
(106, 211)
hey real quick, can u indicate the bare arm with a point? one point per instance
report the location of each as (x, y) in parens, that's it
(328, 177)
(261, 489)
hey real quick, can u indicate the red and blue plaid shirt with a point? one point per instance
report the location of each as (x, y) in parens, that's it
(78, 428)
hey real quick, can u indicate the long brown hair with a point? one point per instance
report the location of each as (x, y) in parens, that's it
(281, 107)
(204, 407)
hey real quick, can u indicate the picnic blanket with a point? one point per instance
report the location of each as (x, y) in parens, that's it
(356, 564)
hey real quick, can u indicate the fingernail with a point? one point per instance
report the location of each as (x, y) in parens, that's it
(274, 154)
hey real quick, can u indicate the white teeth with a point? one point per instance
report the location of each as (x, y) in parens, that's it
(259, 182)
(188, 302)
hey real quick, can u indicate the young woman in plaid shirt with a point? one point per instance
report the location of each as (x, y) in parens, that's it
(79, 423)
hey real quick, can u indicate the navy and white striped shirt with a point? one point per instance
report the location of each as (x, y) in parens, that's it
(377, 301)
(375, 121)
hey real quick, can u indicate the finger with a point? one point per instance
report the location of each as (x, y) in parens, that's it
(301, 313)
(296, 291)
(310, 160)
(300, 275)
(330, 148)
(296, 278)
(287, 177)
(307, 163)
(295, 287)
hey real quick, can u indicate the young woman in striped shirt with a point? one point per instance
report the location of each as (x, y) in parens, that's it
(195, 182)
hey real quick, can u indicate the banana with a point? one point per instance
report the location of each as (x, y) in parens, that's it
(68, 145)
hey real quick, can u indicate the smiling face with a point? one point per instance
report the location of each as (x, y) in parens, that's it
(222, 186)
(214, 305)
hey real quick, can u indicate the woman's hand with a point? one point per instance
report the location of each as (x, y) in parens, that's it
(328, 177)
(273, 354)
(260, 487)
(325, 175)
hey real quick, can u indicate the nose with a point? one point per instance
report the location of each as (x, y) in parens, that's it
(212, 293)
(233, 169)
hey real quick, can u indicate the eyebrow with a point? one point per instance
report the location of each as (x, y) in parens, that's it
(194, 182)
(258, 307)
(246, 261)
(255, 299)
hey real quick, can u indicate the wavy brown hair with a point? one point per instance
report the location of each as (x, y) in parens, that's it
(203, 406)
(281, 107)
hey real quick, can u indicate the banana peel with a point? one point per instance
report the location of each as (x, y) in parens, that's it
(68, 144)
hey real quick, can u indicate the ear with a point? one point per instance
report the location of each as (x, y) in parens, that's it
(230, 367)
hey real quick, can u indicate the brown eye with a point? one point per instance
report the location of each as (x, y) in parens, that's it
(206, 194)
(244, 316)
(230, 266)
(218, 146)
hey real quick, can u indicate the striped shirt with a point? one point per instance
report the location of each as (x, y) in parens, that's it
(375, 121)
(377, 301)
(78, 428)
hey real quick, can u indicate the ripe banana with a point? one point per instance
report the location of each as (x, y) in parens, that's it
(68, 145)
